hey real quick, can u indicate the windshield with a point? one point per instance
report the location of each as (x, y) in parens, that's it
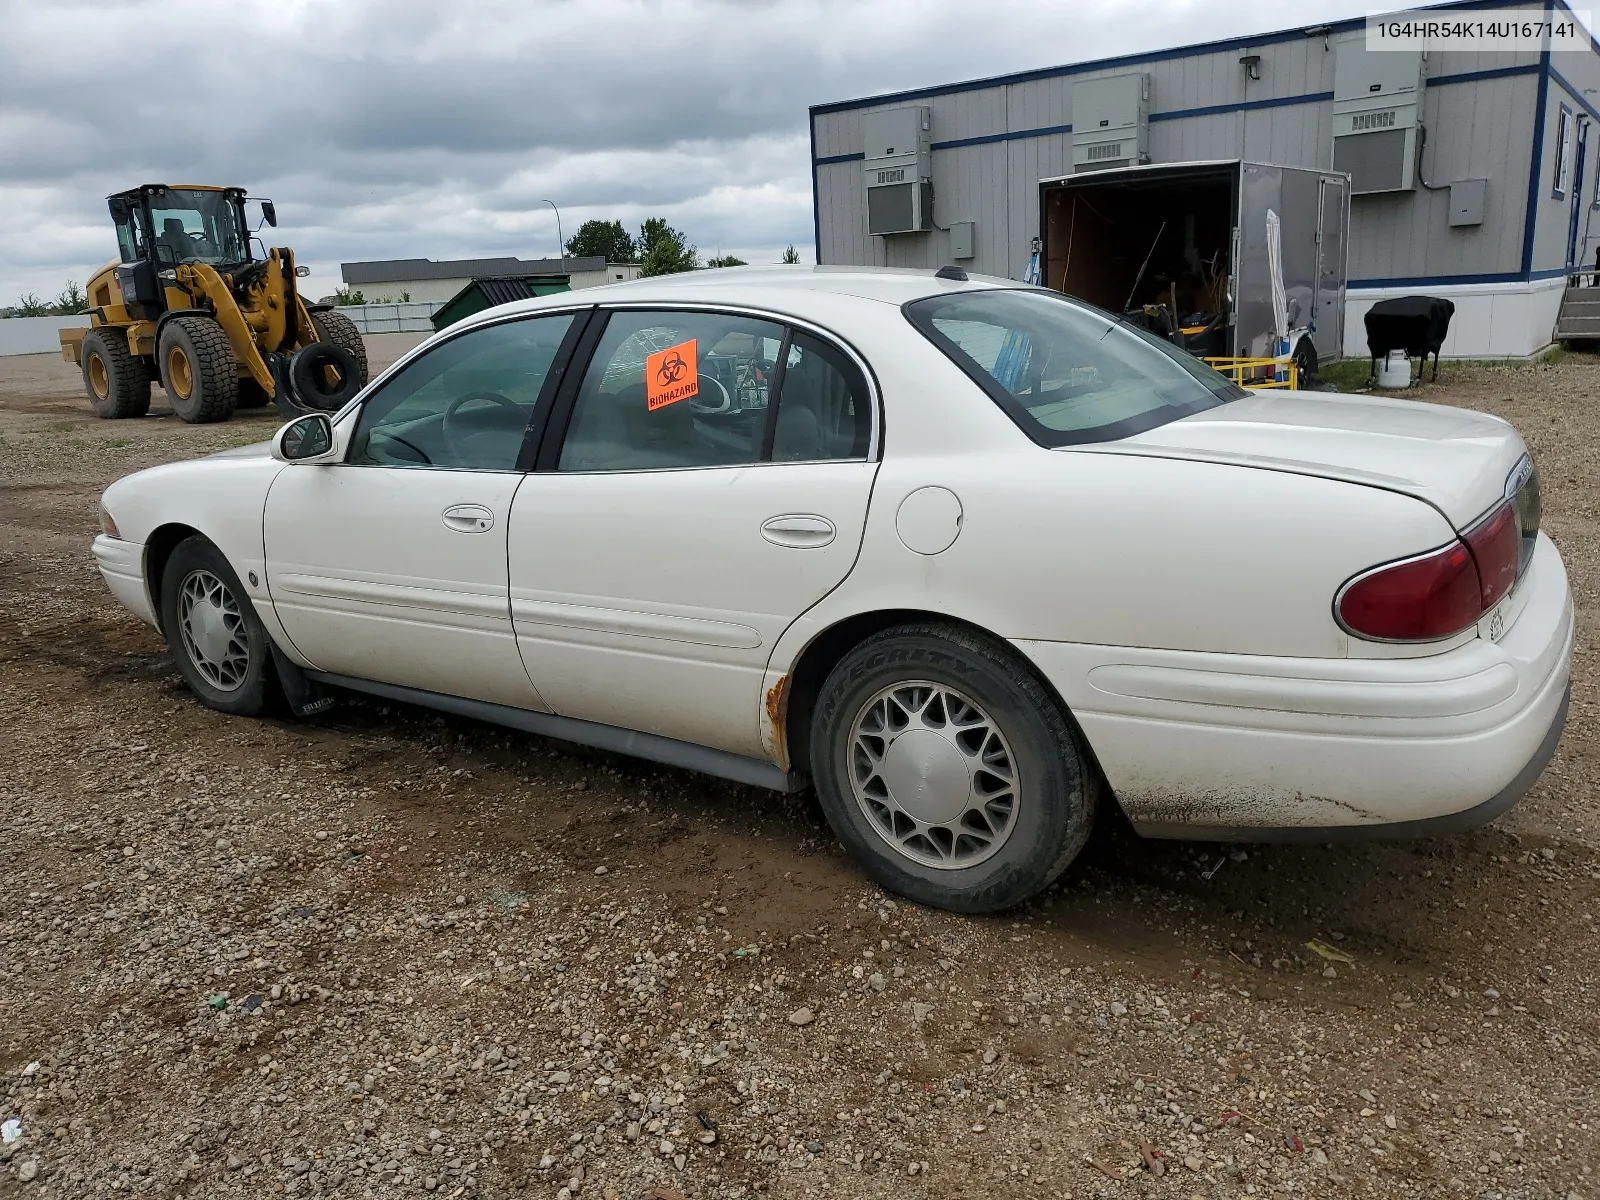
(1066, 372)
(197, 227)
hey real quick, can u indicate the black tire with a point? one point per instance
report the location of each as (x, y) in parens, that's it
(325, 376)
(241, 685)
(1305, 362)
(198, 369)
(333, 326)
(118, 383)
(251, 394)
(1053, 795)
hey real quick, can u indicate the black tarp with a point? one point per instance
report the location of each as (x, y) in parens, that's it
(1415, 324)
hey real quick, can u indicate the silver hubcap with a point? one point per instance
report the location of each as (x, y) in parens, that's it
(214, 634)
(933, 774)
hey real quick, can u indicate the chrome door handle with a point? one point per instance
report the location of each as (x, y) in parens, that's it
(801, 531)
(468, 518)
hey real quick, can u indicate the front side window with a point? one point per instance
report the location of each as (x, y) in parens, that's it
(197, 226)
(1066, 372)
(466, 403)
(130, 237)
(674, 389)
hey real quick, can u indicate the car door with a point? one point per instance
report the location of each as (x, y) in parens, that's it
(702, 485)
(390, 565)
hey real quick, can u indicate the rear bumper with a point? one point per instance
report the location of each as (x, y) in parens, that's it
(121, 565)
(1241, 747)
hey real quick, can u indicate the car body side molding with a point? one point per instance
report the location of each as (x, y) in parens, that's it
(631, 742)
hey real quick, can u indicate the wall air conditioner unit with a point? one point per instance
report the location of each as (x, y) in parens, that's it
(1110, 122)
(1377, 98)
(899, 170)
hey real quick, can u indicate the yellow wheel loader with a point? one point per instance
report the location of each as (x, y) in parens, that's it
(187, 304)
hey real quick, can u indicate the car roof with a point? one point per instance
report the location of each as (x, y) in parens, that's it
(796, 290)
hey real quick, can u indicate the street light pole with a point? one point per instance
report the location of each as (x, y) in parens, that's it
(559, 236)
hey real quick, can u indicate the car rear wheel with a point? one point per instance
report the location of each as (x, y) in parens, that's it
(212, 630)
(945, 766)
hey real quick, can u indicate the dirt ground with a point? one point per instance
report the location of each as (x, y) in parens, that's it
(385, 953)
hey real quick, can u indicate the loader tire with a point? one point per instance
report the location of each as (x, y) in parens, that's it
(118, 383)
(325, 376)
(339, 329)
(197, 369)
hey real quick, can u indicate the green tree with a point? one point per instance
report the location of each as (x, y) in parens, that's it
(664, 250)
(603, 239)
(791, 256)
(726, 260)
(71, 301)
(31, 306)
(348, 296)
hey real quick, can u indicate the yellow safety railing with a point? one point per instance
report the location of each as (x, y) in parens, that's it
(1258, 372)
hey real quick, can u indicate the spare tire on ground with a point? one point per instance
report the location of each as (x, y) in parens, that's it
(333, 326)
(325, 376)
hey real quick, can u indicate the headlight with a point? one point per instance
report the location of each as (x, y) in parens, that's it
(108, 525)
(168, 276)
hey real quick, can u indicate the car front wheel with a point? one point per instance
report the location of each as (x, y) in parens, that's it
(213, 631)
(946, 767)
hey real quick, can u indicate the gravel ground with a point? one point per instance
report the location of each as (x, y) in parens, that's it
(385, 953)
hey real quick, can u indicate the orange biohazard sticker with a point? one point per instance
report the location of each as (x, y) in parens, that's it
(670, 375)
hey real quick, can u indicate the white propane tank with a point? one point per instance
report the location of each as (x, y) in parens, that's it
(1395, 372)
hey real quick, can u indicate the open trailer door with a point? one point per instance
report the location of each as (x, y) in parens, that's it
(1333, 241)
(1185, 249)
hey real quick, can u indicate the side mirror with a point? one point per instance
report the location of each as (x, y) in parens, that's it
(305, 440)
(269, 213)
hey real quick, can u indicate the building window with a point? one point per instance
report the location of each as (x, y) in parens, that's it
(1595, 203)
(1563, 154)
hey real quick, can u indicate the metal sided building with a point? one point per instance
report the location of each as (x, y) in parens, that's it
(1474, 174)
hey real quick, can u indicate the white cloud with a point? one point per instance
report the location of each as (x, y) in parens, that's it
(394, 128)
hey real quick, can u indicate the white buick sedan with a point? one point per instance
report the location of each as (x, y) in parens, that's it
(971, 558)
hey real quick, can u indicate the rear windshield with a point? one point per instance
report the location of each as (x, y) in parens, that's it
(1066, 372)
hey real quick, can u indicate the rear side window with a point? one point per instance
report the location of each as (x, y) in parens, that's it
(669, 390)
(824, 411)
(1066, 372)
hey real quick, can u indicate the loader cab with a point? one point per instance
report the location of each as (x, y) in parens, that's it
(159, 227)
(172, 225)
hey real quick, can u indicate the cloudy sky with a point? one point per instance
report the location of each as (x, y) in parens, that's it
(435, 128)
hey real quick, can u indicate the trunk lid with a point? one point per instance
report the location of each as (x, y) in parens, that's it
(1452, 458)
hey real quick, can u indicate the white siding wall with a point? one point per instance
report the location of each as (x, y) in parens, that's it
(440, 290)
(421, 291)
(393, 318)
(36, 335)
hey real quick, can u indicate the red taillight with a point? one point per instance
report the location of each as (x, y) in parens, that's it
(1420, 599)
(1496, 543)
(1442, 593)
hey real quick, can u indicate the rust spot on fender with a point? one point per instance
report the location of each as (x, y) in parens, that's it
(777, 708)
